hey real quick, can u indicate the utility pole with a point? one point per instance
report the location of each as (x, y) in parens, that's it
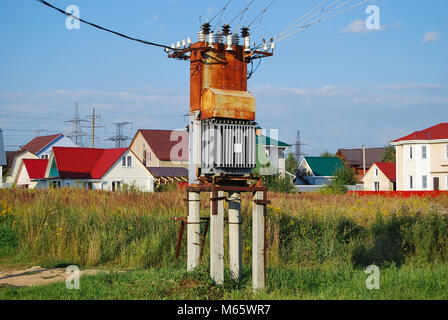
(119, 138)
(76, 134)
(93, 117)
(364, 159)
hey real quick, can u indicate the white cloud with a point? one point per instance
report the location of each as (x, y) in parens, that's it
(356, 26)
(431, 36)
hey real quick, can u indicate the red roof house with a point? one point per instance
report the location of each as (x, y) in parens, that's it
(436, 132)
(30, 173)
(382, 176)
(389, 169)
(104, 169)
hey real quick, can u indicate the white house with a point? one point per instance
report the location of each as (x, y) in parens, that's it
(97, 169)
(16, 163)
(422, 159)
(31, 174)
(380, 177)
(42, 146)
(271, 155)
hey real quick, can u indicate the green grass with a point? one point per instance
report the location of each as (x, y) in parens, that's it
(283, 284)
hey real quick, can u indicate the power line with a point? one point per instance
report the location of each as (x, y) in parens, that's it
(93, 118)
(241, 13)
(220, 13)
(261, 14)
(104, 29)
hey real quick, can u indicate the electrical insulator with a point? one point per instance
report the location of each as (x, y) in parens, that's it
(226, 30)
(247, 44)
(178, 45)
(189, 41)
(211, 40)
(265, 47)
(173, 46)
(206, 28)
(273, 45)
(184, 43)
(229, 43)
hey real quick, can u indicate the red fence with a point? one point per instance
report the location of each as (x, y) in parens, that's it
(400, 194)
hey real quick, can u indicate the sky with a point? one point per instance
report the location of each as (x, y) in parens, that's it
(339, 83)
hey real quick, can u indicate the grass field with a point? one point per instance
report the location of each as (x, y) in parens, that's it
(318, 246)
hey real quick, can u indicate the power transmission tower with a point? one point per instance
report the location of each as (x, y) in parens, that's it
(298, 148)
(76, 134)
(93, 117)
(119, 138)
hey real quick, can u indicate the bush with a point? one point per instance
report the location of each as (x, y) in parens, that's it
(279, 183)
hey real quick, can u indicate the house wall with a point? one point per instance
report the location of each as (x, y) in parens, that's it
(370, 178)
(61, 142)
(139, 145)
(24, 181)
(15, 166)
(136, 174)
(277, 158)
(435, 165)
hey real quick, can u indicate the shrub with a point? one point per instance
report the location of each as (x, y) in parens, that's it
(278, 183)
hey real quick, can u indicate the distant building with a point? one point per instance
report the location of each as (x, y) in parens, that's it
(31, 174)
(42, 146)
(15, 159)
(161, 148)
(354, 158)
(272, 154)
(97, 169)
(318, 170)
(380, 177)
(163, 175)
(422, 159)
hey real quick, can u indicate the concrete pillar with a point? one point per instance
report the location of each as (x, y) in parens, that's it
(1, 177)
(235, 235)
(193, 230)
(258, 244)
(217, 238)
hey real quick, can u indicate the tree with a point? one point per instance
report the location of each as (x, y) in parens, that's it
(343, 176)
(389, 154)
(291, 163)
(327, 154)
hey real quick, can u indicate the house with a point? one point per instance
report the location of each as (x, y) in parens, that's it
(31, 174)
(3, 162)
(14, 161)
(380, 177)
(42, 146)
(161, 148)
(422, 159)
(318, 170)
(97, 169)
(354, 158)
(271, 156)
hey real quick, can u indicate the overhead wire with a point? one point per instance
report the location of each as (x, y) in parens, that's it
(220, 14)
(104, 29)
(261, 14)
(322, 18)
(241, 13)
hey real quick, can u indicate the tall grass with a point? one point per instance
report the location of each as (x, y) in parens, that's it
(134, 230)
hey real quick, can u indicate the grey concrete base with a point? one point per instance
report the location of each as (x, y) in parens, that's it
(235, 235)
(258, 244)
(193, 231)
(217, 241)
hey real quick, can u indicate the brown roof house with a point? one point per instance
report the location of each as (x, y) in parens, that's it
(354, 158)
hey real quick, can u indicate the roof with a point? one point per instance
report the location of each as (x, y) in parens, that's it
(436, 132)
(168, 171)
(162, 145)
(354, 156)
(389, 169)
(268, 141)
(85, 163)
(39, 143)
(3, 161)
(324, 166)
(36, 167)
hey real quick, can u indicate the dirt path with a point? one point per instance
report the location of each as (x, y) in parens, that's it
(35, 276)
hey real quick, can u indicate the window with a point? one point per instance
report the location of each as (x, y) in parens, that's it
(377, 173)
(123, 161)
(425, 182)
(411, 155)
(411, 182)
(424, 153)
(129, 161)
(377, 186)
(144, 156)
(44, 156)
(116, 185)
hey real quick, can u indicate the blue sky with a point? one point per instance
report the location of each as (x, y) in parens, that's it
(341, 85)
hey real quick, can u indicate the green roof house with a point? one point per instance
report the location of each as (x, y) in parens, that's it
(271, 158)
(318, 170)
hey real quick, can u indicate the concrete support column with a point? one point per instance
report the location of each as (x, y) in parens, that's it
(1, 177)
(258, 244)
(193, 230)
(235, 235)
(217, 237)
